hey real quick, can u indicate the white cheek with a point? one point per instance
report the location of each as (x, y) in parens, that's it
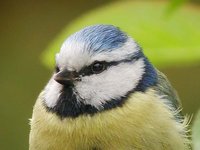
(114, 83)
(52, 92)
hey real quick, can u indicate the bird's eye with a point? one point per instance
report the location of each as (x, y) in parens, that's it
(98, 67)
(57, 69)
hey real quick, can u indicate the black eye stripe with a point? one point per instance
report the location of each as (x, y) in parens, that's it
(87, 71)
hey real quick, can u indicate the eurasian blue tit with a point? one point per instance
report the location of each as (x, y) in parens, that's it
(106, 95)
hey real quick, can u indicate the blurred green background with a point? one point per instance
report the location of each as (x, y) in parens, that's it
(32, 31)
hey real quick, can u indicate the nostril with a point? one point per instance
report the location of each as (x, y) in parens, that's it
(57, 69)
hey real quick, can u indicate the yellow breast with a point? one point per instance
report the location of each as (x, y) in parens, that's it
(144, 122)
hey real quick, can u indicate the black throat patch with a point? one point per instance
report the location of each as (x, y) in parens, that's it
(69, 106)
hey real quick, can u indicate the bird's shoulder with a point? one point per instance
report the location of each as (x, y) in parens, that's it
(164, 88)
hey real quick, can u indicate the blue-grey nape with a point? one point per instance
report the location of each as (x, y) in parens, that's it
(99, 38)
(149, 78)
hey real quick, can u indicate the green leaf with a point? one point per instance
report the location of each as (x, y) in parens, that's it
(168, 41)
(196, 132)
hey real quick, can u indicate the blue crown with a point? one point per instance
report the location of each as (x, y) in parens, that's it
(99, 38)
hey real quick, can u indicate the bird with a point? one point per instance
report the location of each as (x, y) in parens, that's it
(105, 94)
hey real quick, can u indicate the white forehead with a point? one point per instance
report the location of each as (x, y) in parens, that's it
(74, 55)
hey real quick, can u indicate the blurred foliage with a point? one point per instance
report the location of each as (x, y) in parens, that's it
(174, 4)
(165, 40)
(196, 132)
(196, 1)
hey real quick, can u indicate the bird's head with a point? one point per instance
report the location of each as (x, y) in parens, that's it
(96, 69)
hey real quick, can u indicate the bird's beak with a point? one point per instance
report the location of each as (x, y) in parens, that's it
(66, 77)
